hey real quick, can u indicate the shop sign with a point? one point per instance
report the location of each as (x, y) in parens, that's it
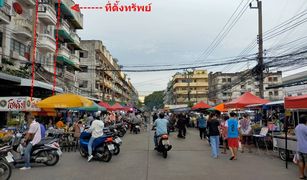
(18, 104)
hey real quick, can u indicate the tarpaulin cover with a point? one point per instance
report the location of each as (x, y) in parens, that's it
(245, 100)
(116, 107)
(296, 102)
(201, 105)
(105, 105)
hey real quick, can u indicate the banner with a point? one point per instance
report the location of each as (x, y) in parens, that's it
(18, 104)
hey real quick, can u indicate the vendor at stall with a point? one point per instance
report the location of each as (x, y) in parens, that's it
(301, 135)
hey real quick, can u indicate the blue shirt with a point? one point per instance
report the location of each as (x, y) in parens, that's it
(43, 131)
(161, 126)
(232, 128)
(202, 122)
(301, 136)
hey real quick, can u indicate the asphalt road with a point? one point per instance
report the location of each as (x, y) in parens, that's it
(189, 159)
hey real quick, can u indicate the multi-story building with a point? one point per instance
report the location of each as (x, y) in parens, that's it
(187, 88)
(16, 30)
(68, 58)
(224, 87)
(101, 76)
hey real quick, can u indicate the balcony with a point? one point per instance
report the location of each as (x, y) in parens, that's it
(64, 51)
(23, 27)
(76, 18)
(70, 76)
(76, 40)
(5, 15)
(47, 42)
(27, 2)
(74, 59)
(180, 85)
(47, 14)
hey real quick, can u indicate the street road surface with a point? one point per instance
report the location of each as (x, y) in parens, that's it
(189, 159)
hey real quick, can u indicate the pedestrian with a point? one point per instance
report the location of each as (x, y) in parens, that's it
(246, 133)
(301, 135)
(154, 117)
(233, 135)
(223, 134)
(214, 133)
(202, 125)
(181, 125)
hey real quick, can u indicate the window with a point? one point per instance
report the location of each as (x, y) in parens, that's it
(224, 80)
(276, 93)
(84, 68)
(83, 84)
(270, 79)
(22, 49)
(275, 79)
(224, 94)
(83, 54)
(270, 93)
(229, 79)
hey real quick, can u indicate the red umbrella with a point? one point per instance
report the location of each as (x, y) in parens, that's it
(201, 105)
(245, 100)
(117, 106)
(105, 105)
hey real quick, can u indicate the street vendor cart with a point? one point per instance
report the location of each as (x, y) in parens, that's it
(279, 142)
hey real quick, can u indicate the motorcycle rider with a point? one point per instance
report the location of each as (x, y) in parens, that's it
(96, 130)
(34, 136)
(161, 125)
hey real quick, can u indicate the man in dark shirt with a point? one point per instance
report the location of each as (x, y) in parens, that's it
(214, 133)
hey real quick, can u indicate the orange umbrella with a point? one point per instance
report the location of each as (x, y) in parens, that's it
(221, 107)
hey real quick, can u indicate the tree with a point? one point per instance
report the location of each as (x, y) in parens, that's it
(154, 100)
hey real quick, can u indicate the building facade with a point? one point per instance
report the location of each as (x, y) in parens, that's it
(224, 87)
(17, 41)
(101, 76)
(187, 88)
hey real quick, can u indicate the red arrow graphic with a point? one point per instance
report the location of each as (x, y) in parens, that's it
(77, 7)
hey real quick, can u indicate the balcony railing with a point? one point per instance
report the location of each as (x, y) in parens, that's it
(75, 37)
(46, 41)
(23, 27)
(64, 26)
(69, 75)
(74, 58)
(5, 13)
(47, 13)
(64, 51)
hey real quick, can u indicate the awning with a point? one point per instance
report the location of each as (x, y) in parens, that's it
(296, 102)
(8, 77)
(201, 105)
(28, 82)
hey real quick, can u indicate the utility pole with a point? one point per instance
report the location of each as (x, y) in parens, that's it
(260, 47)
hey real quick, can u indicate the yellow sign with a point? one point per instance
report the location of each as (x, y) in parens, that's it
(288, 113)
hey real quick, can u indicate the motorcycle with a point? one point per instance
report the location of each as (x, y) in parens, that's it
(136, 128)
(116, 140)
(47, 151)
(5, 160)
(163, 145)
(121, 128)
(102, 147)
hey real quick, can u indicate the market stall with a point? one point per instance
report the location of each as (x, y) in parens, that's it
(245, 100)
(294, 105)
(200, 106)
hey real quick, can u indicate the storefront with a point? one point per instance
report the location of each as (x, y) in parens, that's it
(12, 109)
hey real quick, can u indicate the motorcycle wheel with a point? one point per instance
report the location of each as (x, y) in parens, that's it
(53, 158)
(116, 151)
(165, 154)
(5, 170)
(82, 152)
(121, 134)
(107, 155)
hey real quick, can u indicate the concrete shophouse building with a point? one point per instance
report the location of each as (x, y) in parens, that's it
(101, 76)
(188, 87)
(219, 84)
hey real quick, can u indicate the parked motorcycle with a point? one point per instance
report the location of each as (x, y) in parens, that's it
(136, 128)
(5, 159)
(102, 147)
(47, 152)
(163, 145)
(116, 140)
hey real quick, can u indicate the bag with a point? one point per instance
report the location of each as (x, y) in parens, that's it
(296, 158)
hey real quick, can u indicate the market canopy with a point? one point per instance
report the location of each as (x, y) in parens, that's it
(93, 108)
(65, 101)
(245, 100)
(117, 106)
(105, 105)
(200, 105)
(296, 102)
(220, 107)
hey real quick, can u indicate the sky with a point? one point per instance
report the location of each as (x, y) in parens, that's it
(178, 31)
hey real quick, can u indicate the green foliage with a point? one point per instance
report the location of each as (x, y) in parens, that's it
(7, 61)
(154, 100)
